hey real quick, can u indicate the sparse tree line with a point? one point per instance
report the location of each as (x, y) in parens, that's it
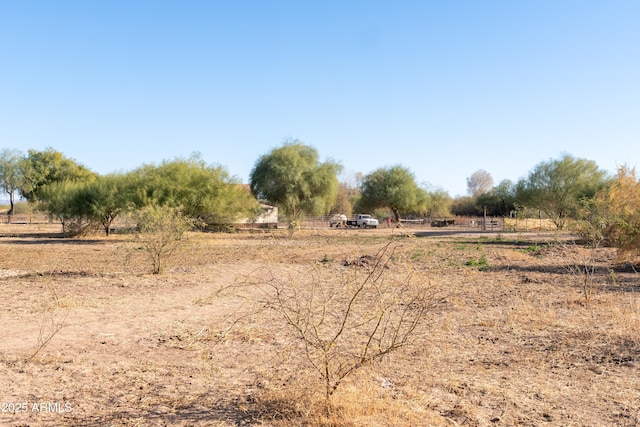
(293, 178)
(81, 199)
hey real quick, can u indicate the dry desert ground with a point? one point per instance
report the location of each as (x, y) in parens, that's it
(515, 331)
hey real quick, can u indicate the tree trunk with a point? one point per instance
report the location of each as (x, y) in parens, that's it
(12, 205)
(396, 214)
(107, 225)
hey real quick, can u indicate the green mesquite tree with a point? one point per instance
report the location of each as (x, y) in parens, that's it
(205, 193)
(292, 178)
(394, 188)
(10, 174)
(40, 168)
(557, 187)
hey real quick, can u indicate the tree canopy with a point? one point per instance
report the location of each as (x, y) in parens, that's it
(80, 205)
(204, 192)
(465, 206)
(438, 203)
(613, 214)
(556, 187)
(11, 177)
(394, 188)
(293, 178)
(500, 200)
(40, 168)
(479, 182)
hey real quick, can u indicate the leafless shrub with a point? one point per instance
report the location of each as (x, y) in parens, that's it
(51, 322)
(582, 263)
(344, 320)
(50, 325)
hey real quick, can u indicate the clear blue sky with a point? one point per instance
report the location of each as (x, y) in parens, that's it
(442, 87)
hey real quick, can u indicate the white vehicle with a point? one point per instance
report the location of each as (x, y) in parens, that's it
(338, 220)
(363, 221)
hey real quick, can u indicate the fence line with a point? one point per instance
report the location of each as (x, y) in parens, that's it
(319, 222)
(25, 219)
(473, 223)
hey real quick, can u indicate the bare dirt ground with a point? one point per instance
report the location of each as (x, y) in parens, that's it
(90, 338)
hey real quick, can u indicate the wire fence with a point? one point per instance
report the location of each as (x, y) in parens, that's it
(497, 224)
(467, 223)
(25, 219)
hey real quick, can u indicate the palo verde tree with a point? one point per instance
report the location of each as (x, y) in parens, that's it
(349, 191)
(205, 193)
(343, 203)
(394, 188)
(40, 168)
(438, 203)
(10, 174)
(557, 187)
(86, 205)
(103, 199)
(293, 178)
(60, 202)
